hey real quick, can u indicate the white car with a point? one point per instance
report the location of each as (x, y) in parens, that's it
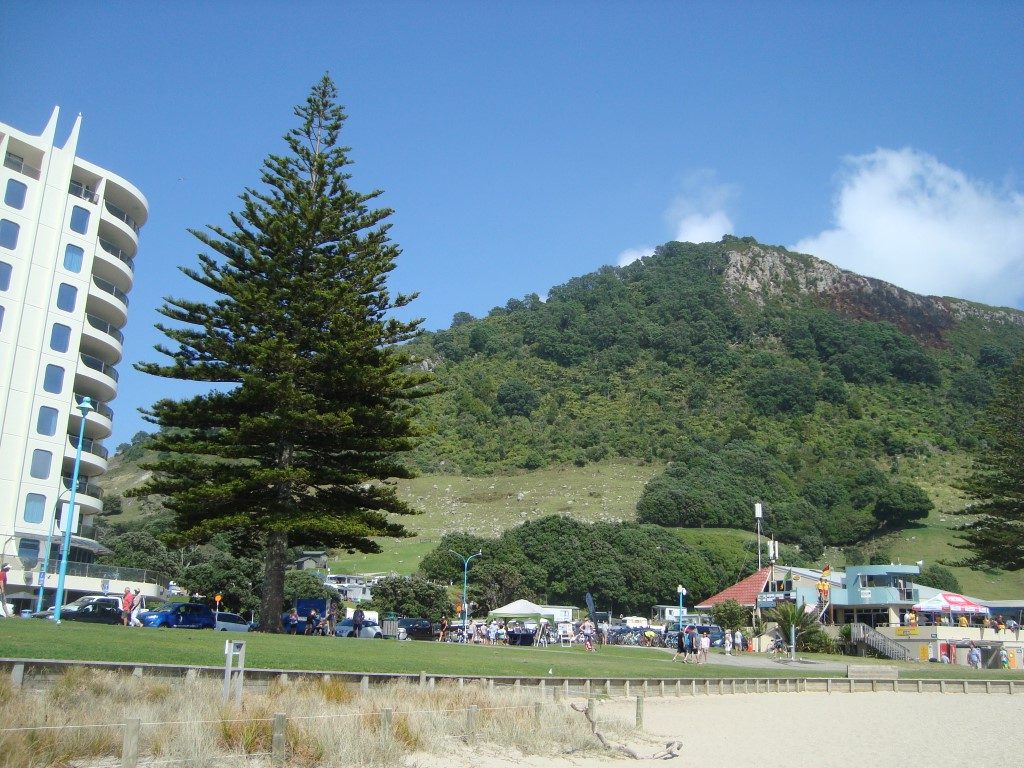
(231, 622)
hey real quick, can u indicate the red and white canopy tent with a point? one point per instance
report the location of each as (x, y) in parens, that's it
(949, 602)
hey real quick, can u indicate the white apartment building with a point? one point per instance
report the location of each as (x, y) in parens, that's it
(69, 232)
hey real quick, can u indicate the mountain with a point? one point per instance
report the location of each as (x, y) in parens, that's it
(754, 372)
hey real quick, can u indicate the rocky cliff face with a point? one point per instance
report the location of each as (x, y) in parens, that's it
(761, 272)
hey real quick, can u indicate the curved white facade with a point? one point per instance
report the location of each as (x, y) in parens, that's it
(68, 239)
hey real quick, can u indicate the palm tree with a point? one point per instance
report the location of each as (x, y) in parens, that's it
(788, 615)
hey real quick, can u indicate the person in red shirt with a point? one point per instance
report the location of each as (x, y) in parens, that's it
(3, 590)
(126, 606)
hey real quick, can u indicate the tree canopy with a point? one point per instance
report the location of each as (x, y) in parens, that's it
(314, 399)
(996, 536)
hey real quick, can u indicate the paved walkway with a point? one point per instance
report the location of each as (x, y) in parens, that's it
(763, 661)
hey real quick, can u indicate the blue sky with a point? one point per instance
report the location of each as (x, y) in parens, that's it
(522, 144)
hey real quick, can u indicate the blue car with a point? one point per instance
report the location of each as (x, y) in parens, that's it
(183, 615)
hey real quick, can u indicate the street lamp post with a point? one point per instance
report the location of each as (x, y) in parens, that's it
(465, 583)
(85, 406)
(682, 593)
(757, 517)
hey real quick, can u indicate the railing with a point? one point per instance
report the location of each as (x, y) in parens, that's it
(84, 486)
(120, 213)
(101, 408)
(117, 253)
(98, 365)
(16, 163)
(78, 189)
(862, 633)
(89, 445)
(114, 572)
(109, 287)
(108, 328)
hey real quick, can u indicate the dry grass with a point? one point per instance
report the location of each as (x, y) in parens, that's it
(330, 724)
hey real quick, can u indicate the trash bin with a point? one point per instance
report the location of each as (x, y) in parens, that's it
(26, 614)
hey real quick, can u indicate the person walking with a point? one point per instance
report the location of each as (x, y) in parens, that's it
(126, 606)
(587, 628)
(136, 609)
(727, 643)
(358, 617)
(680, 646)
(3, 590)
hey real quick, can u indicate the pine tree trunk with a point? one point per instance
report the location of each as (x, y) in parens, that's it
(272, 604)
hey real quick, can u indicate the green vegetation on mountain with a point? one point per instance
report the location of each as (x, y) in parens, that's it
(721, 360)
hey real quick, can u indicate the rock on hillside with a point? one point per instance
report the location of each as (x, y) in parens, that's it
(764, 272)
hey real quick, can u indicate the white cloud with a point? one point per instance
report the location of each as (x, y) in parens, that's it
(903, 216)
(698, 215)
(703, 228)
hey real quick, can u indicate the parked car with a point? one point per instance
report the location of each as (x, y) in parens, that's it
(370, 629)
(415, 629)
(96, 612)
(714, 632)
(230, 622)
(183, 615)
(93, 603)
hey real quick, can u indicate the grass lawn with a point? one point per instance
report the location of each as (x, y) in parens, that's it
(486, 506)
(37, 639)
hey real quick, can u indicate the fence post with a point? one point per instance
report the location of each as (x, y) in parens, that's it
(640, 712)
(277, 741)
(471, 714)
(608, 688)
(386, 716)
(543, 688)
(592, 711)
(364, 683)
(130, 747)
(423, 679)
(538, 708)
(625, 689)
(661, 687)
(17, 675)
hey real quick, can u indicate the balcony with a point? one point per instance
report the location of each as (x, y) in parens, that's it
(78, 189)
(94, 456)
(108, 302)
(103, 338)
(96, 378)
(121, 215)
(88, 497)
(98, 423)
(113, 262)
(16, 163)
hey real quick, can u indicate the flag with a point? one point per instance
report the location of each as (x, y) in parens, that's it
(826, 571)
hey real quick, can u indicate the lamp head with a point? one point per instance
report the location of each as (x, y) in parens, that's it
(86, 405)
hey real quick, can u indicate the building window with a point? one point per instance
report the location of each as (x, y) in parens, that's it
(60, 337)
(35, 503)
(9, 234)
(5, 275)
(1, 317)
(41, 461)
(53, 379)
(14, 195)
(73, 258)
(66, 297)
(79, 220)
(46, 422)
(28, 551)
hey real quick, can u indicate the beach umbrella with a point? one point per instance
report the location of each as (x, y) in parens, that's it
(950, 602)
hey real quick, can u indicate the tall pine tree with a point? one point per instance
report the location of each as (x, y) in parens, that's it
(996, 538)
(298, 446)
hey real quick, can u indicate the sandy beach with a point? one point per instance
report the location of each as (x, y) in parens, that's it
(804, 730)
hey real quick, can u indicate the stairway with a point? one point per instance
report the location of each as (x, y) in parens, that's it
(862, 633)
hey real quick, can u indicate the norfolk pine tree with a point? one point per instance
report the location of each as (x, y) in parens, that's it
(318, 407)
(996, 480)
